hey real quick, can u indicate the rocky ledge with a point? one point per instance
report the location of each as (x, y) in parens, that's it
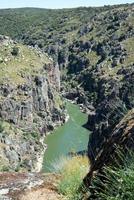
(21, 186)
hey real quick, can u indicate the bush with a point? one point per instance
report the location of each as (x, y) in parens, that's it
(72, 171)
(15, 51)
(1, 127)
(116, 183)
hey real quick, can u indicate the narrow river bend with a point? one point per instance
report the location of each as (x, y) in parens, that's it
(71, 137)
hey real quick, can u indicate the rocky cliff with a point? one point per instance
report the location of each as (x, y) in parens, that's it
(100, 72)
(30, 105)
(111, 150)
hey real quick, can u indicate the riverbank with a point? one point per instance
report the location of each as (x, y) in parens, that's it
(40, 157)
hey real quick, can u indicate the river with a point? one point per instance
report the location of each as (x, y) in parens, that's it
(70, 137)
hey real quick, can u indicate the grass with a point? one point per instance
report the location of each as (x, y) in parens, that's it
(93, 57)
(118, 182)
(29, 20)
(13, 68)
(115, 183)
(72, 170)
(129, 46)
(6, 128)
(58, 101)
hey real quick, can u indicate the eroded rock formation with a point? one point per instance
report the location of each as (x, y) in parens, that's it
(30, 106)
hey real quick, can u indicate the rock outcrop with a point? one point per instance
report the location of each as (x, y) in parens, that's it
(30, 105)
(121, 140)
(111, 108)
(26, 186)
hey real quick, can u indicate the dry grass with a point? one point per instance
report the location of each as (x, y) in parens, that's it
(14, 68)
(72, 173)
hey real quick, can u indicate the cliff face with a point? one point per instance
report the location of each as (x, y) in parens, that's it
(100, 72)
(100, 75)
(111, 110)
(30, 105)
(110, 151)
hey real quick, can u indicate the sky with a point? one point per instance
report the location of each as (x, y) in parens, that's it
(58, 3)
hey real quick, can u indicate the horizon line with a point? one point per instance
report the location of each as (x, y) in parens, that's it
(105, 5)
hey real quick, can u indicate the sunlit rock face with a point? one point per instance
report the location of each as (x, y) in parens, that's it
(30, 105)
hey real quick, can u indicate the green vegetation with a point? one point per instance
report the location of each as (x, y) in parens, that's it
(31, 136)
(37, 22)
(116, 183)
(4, 165)
(129, 46)
(17, 60)
(54, 31)
(58, 101)
(6, 128)
(46, 26)
(72, 171)
(15, 51)
(9, 129)
(1, 126)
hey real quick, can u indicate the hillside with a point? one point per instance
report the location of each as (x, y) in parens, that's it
(41, 23)
(30, 105)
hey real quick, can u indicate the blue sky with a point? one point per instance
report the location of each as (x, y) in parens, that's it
(58, 3)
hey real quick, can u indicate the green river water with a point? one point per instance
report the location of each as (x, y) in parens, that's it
(71, 137)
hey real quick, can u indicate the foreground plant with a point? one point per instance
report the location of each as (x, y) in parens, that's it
(72, 171)
(116, 183)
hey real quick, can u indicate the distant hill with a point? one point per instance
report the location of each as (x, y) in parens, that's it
(36, 23)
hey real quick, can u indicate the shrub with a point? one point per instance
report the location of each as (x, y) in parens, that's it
(15, 51)
(72, 171)
(116, 183)
(1, 127)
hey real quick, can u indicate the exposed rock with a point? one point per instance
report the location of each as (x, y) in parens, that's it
(122, 138)
(28, 111)
(85, 29)
(28, 186)
(110, 110)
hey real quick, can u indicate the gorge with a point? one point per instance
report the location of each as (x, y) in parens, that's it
(69, 138)
(84, 55)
